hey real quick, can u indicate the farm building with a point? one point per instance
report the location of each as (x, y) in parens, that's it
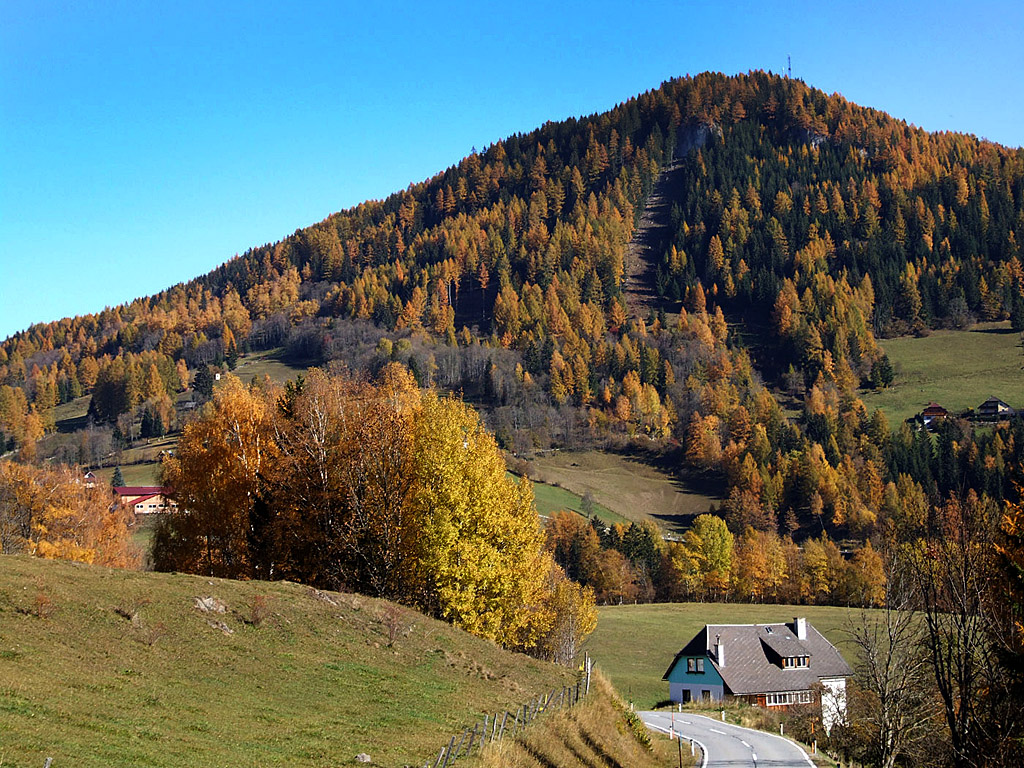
(767, 665)
(933, 412)
(993, 409)
(145, 499)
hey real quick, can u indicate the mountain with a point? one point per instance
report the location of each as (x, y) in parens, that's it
(791, 229)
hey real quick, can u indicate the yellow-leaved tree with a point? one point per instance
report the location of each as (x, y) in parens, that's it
(54, 513)
(480, 562)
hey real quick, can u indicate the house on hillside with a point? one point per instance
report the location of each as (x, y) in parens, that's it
(767, 665)
(993, 409)
(145, 499)
(933, 412)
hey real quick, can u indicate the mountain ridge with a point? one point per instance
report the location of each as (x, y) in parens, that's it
(825, 225)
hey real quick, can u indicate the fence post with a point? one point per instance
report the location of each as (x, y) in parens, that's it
(448, 753)
(472, 738)
(483, 736)
(439, 756)
(458, 750)
(588, 664)
(501, 733)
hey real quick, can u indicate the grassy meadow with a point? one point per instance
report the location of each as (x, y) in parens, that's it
(550, 499)
(627, 487)
(634, 644)
(266, 363)
(956, 369)
(115, 668)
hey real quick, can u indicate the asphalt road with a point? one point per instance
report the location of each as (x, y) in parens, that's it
(729, 746)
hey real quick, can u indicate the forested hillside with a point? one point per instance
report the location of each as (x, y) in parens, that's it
(820, 224)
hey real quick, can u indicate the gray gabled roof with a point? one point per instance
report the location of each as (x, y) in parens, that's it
(753, 652)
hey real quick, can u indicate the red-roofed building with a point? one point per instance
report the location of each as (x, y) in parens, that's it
(145, 499)
(933, 412)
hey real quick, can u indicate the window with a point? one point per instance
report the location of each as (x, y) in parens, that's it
(795, 662)
(790, 697)
(705, 695)
(695, 666)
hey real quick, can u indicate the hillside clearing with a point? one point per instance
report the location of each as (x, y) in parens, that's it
(626, 486)
(634, 644)
(118, 668)
(267, 363)
(550, 499)
(956, 369)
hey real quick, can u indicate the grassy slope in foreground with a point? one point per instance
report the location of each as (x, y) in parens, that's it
(314, 685)
(634, 644)
(956, 369)
(595, 734)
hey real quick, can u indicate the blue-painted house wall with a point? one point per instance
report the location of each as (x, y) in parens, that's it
(679, 679)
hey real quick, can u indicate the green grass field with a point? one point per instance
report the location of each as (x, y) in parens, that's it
(627, 487)
(550, 499)
(956, 369)
(634, 644)
(315, 683)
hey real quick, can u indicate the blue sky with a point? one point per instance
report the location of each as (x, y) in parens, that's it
(144, 143)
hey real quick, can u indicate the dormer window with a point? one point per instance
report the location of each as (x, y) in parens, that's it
(695, 666)
(795, 662)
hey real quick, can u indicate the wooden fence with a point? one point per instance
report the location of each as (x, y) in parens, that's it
(510, 723)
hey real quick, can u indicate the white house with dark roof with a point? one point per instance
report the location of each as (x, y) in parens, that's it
(993, 409)
(767, 665)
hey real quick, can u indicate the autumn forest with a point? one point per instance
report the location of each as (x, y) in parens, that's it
(491, 305)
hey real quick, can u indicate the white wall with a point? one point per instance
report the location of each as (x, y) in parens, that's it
(833, 702)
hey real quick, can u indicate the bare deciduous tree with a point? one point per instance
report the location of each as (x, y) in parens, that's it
(893, 670)
(966, 638)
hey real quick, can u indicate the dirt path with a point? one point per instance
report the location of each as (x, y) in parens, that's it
(650, 239)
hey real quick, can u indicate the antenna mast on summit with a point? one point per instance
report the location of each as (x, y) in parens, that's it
(789, 66)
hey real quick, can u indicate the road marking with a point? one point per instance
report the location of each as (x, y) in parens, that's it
(744, 744)
(720, 733)
(753, 756)
(792, 743)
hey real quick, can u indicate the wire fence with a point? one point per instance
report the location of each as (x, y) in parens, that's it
(509, 723)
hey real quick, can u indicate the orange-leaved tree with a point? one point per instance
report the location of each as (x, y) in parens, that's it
(54, 513)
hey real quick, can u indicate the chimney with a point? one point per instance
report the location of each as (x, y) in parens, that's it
(800, 627)
(719, 651)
